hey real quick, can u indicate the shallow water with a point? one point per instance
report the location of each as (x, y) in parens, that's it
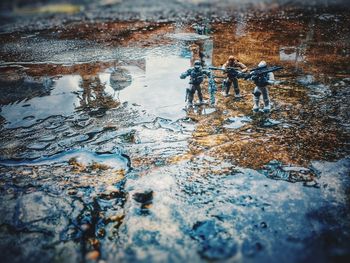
(160, 91)
(105, 164)
(83, 157)
(61, 101)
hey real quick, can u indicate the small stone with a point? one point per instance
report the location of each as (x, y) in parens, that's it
(72, 191)
(144, 198)
(101, 232)
(85, 227)
(93, 255)
(10, 190)
(263, 225)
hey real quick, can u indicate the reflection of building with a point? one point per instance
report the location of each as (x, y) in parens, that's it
(298, 53)
(23, 88)
(120, 79)
(292, 54)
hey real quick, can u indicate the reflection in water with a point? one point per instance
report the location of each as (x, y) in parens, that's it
(241, 26)
(236, 212)
(94, 96)
(159, 90)
(18, 86)
(120, 79)
(86, 91)
(291, 54)
(82, 157)
(61, 101)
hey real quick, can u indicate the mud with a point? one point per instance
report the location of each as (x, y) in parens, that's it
(100, 163)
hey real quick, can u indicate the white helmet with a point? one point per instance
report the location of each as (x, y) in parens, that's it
(262, 64)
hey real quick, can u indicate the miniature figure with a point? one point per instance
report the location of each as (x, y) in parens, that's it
(230, 68)
(262, 76)
(197, 75)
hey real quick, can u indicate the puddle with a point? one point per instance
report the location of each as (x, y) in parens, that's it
(278, 171)
(83, 157)
(61, 101)
(317, 90)
(148, 87)
(237, 122)
(213, 184)
(187, 36)
(291, 54)
(152, 88)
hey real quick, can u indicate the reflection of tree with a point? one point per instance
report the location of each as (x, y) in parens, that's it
(94, 96)
(202, 51)
(196, 53)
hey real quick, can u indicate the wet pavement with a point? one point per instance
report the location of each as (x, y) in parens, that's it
(99, 162)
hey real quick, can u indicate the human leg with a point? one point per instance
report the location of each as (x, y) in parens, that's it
(256, 98)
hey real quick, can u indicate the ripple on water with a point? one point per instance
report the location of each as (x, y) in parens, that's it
(84, 157)
(48, 138)
(38, 146)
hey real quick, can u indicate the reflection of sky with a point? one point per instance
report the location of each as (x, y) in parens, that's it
(61, 102)
(159, 90)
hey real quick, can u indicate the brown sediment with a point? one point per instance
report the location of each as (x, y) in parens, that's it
(311, 134)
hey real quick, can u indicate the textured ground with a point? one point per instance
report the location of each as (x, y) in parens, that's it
(99, 161)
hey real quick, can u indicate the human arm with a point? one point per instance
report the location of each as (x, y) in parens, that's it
(271, 78)
(224, 66)
(243, 67)
(185, 74)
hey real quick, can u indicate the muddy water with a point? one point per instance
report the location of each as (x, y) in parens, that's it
(99, 161)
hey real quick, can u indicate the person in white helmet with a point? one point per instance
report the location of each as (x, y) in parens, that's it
(261, 82)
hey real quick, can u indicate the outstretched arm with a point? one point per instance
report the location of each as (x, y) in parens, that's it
(185, 74)
(207, 73)
(271, 77)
